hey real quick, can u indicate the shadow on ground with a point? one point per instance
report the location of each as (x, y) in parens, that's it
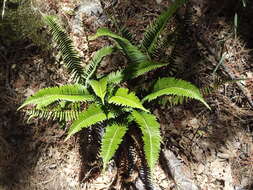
(18, 150)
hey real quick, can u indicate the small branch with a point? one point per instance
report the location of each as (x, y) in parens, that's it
(226, 70)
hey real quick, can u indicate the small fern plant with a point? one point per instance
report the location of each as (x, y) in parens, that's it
(101, 100)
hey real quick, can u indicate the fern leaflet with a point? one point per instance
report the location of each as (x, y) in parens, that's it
(127, 34)
(123, 98)
(91, 116)
(172, 86)
(151, 136)
(99, 88)
(111, 141)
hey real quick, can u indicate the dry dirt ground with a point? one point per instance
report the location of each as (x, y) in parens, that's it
(213, 149)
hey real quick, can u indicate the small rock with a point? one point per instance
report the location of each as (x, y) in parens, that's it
(158, 1)
(88, 8)
(52, 166)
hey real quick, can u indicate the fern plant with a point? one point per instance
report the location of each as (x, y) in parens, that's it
(96, 99)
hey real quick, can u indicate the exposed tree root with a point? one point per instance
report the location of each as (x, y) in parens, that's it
(175, 170)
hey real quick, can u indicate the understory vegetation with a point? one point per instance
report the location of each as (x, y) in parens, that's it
(102, 100)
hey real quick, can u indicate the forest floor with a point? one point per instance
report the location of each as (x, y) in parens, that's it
(214, 148)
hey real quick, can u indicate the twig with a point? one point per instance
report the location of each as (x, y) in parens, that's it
(226, 70)
(3, 10)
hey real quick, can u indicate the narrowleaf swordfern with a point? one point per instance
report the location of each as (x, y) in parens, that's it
(105, 100)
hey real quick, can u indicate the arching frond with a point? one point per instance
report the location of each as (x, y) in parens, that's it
(175, 87)
(65, 45)
(97, 58)
(111, 140)
(99, 87)
(124, 98)
(151, 136)
(133, 70)
(46, 96)
(131, 51)
(93, 115)
(137, 69)
(152, 34)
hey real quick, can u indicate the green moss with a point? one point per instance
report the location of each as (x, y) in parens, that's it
(21, 22)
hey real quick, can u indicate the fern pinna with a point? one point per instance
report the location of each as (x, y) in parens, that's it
(100, 99)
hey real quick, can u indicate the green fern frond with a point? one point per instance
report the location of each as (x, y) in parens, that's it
(137, 69)
(97, 58)
(218, 82)
(131, 51)
(153, 32)
(53, 114)
(93, 115)
(111, 140)
(156, 50)
(99, 87)
(115, 77)
(159, 49)
(46, 96)
(174, 65)
(123, 98)
(125, 33)
(69, 54)
(175, 87)
(151, 136)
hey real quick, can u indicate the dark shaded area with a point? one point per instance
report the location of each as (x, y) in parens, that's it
(18, 152)
(21, 144)
(91, 165)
